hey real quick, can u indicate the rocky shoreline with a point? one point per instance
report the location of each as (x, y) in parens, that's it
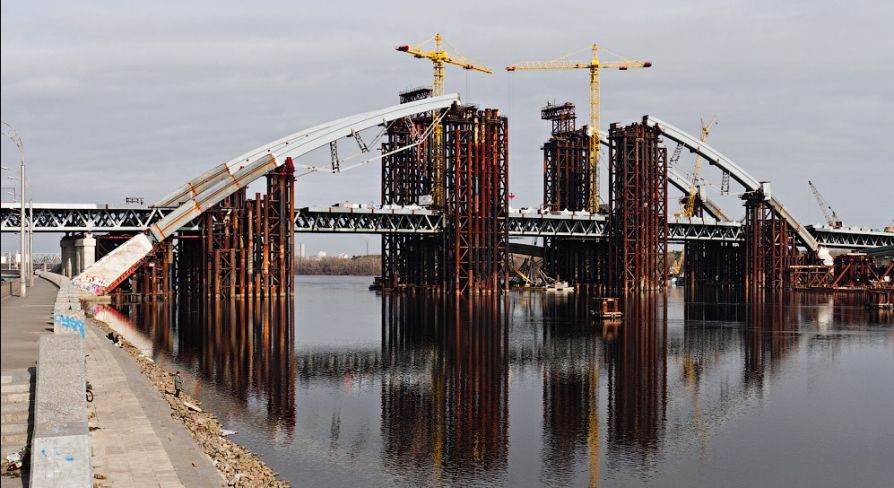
(238, 466)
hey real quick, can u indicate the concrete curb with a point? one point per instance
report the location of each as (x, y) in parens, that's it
(60, 444)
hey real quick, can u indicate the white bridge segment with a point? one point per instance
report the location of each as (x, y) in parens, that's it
(198, 184)
(715, 158)
(205, 191)
(223, 186)
(293, 144)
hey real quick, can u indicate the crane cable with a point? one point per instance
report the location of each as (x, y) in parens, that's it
(313, 169)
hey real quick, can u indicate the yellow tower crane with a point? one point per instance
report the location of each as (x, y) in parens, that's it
(595, 66)
(439, 58)
(689, 208)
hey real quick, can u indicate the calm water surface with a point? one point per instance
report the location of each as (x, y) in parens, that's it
(349, 388)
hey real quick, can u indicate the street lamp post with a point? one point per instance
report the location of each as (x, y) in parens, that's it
(14, 137)
(30, 242)
(22, 287)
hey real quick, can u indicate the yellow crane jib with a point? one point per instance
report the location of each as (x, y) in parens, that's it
(594, 65)
(439, 57)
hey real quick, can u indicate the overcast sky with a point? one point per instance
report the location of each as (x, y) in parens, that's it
(116, 98)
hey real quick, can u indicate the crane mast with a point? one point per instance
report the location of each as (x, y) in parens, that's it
(439, 57)
(830, 214)
(689, 209)
(594, 66)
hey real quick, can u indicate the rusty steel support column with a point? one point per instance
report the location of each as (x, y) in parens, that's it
(472, 254)
(566, 171)
(637, 209)
(770, 245)
(566, 186)
(281, 194)
(246, 245)
(409, 261)
(476, 158)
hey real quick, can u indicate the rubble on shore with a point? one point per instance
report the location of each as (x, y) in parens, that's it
(239, 467)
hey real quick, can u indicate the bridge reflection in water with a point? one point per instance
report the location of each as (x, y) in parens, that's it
(445, 384)
(523, 389)
(246, 348)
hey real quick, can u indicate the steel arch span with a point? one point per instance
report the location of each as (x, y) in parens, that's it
(750, 183)
(210, 188)
(682, 184)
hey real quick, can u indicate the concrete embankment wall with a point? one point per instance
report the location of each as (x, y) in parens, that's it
(60, 444)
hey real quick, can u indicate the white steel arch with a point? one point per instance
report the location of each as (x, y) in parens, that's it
(716, 158)
(682, 184)
(210, 188)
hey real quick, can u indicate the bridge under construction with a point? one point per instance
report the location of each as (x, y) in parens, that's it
(444, 217)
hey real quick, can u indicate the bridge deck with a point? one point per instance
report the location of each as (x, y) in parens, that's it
(413, 220)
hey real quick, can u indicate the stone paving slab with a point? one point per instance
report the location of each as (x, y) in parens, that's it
(137, 442)
(22, 321)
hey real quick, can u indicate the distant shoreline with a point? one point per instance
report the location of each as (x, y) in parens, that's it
(334, 266)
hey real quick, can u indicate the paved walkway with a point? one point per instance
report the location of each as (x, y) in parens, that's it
(22, 321)
(137, 443)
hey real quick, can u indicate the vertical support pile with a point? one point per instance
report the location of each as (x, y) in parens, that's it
(154, 278)
(471, 256)
(280, 233)
(245, 245)
(637, 209)
(577, 261)
(407, 177)
(770, 244)
(566, 168)
(566, 186)
(477, 235)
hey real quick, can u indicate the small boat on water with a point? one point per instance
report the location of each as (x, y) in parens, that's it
(605, 308)
(559, 286)
(376, 285)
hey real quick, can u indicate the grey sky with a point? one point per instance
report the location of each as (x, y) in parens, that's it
(120, 98)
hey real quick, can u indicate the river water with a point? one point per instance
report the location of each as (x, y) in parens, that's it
(348, 388)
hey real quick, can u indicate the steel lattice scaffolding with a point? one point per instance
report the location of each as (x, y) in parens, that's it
(770, 244)
(477, 161)
(638, 228)
(407, 178)
(566, 168)
(246, 246)
(471, 253)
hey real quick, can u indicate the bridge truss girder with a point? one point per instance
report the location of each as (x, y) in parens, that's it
(97, 218)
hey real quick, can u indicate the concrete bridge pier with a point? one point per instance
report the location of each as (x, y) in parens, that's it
(84, 253)
(68, 256)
